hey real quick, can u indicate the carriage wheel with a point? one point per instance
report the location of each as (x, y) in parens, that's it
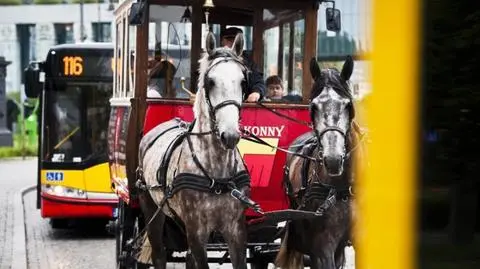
(120, 237)
(258, 262)
(129, 224)
(138, 226)
(259, 265)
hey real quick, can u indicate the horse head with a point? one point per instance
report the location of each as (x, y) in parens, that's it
(222, 78)
(332, 112)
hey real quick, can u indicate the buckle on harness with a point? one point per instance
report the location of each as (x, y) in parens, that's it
(183, 125)
(139, 173)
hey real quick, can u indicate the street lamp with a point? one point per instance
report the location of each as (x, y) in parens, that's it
(111, 6)
(82, 26)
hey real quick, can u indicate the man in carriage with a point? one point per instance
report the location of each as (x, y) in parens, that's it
(256, 86)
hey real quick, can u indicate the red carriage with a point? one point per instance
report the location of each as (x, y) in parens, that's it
(151, 46)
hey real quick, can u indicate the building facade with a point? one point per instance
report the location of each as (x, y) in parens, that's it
(28, 31)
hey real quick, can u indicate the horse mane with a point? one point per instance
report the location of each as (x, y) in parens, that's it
(331, 77)
(204, 63)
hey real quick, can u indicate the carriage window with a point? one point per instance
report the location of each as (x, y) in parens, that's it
(118, 59)
(285, 53)
(299, 33)
(270, 51)
(247, 34)
(131, 59)
(125, 59)
(169, 45)
(283, 49)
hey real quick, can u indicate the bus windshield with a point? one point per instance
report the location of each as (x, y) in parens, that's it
(76, 121)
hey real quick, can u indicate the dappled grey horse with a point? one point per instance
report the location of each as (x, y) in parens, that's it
(323, 186)
(193, 171)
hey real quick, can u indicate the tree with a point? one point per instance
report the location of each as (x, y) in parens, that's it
(451, 97)
(338, 45)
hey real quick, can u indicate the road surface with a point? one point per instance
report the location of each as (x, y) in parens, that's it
(86, 246)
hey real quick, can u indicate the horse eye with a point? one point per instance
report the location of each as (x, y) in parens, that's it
(211, 83)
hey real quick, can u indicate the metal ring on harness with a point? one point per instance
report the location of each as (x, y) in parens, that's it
(218, 191)
(182, 124)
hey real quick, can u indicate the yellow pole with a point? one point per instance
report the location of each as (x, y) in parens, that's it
(385, 228)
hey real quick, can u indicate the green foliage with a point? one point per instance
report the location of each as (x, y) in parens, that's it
(451, 94)
(14, 95)
(25, 137)
(10, 2)
(437, 252)
(47, 2)
(20, 148)
(87, 1)
(341, 44)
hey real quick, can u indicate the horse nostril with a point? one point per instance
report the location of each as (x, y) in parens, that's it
(230, 140)
(222, 138)
(236, 138)
(333, 163)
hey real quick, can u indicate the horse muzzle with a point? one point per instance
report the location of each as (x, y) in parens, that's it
(230, 139)
(333, 165)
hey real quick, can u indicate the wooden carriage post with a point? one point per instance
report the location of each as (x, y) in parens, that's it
(310, 49)
(386, 190)
(138, 102)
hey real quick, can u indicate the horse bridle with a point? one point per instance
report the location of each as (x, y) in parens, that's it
(207, 86)
(320, 134)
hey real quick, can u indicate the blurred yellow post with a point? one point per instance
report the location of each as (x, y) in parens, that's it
(385, 228)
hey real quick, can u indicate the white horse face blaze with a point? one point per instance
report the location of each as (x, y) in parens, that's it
(224, 81)
(332, 111)
(227, 80)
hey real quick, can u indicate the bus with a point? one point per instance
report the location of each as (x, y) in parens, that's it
(73, 86)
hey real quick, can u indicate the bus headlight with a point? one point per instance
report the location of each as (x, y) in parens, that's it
(63, 191)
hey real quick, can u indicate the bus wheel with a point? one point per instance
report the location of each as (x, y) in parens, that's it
(59, 223)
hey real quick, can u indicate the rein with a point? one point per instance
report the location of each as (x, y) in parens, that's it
(255, 139)
(302, 122)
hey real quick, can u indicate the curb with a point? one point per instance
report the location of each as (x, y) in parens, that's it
(19, 250)
(17, 158)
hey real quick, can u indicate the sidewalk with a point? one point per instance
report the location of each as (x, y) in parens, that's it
(15, 174)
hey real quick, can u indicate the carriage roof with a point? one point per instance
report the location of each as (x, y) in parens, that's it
(92, 45)
(260, 15)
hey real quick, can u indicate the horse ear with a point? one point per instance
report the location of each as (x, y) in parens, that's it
(347, 68)
(314, 69)
(237, 46)
(210, 43)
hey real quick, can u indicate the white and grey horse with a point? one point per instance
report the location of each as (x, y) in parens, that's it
(323, 186)
(190, 170)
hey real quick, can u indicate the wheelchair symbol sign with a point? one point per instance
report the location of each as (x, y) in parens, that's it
(54, 176)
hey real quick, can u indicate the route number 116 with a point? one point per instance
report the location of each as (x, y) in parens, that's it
(72, 66)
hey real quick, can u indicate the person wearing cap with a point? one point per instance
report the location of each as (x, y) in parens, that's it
(256, 84)
(160, 77)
